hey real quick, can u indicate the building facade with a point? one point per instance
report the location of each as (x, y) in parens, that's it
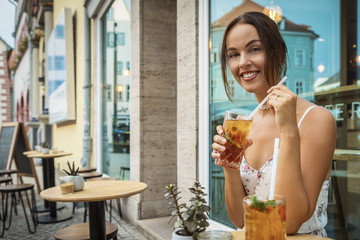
(5, 83)
(148, 92)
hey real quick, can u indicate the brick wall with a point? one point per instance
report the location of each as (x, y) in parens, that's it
(5, 89)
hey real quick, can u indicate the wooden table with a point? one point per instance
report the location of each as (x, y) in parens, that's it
(240, 235)
(346, 155)
(96, 192)
(349, 156)
(49, 181)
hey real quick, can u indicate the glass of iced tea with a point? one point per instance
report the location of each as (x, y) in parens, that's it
(264, 218)
(236, 130)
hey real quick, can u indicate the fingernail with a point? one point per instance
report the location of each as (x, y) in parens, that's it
(222, 148)
(220, 131)
(223, 141)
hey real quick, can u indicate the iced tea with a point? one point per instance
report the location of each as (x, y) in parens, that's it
(236, 128)
(264, 219)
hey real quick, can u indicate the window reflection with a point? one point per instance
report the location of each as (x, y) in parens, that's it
(116, 90)
(323, 67)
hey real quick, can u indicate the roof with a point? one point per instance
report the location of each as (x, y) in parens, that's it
(250, 6)
(8, 46)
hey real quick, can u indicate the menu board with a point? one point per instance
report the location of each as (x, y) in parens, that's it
(7, 139)
(13, 144)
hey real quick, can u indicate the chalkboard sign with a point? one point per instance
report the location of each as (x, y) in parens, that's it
(23, 163)
(7, 141)
(13, 143)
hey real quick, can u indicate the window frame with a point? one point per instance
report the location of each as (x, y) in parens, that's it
(204, 111)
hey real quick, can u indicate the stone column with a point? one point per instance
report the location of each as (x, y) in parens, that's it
(187, 94)
(153, 105)
(35, 79)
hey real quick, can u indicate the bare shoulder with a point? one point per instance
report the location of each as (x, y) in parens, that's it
(317, 114)
(321, 114)
(319, 119)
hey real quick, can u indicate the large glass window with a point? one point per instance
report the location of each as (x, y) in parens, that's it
(323, 67)
(115, 112)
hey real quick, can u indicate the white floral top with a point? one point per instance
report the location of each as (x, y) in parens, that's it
(258, 182)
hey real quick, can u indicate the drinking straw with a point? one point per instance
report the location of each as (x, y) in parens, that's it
(274, 167)
(265, 99)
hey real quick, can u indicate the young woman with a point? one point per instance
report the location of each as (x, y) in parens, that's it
(255, 53)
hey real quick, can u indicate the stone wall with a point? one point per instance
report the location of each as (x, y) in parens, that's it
(153, 105)
(187, 92)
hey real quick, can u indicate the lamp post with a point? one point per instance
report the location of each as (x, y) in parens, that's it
(114, 87)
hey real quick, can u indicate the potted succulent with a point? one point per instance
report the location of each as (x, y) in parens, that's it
(44, 147)
(78, 179)
(190, 220)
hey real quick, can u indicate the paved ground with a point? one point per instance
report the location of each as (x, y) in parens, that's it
(18, 229)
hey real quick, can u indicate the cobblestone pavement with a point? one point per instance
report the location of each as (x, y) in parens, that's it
(19, 231)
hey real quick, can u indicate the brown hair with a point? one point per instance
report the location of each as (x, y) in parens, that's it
(271, 39)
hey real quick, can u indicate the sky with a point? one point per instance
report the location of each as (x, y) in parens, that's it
(7, 22)
(322, 15)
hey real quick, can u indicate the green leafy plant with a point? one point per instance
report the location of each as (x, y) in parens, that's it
(193, 219)
(44, 145)
(72, 171)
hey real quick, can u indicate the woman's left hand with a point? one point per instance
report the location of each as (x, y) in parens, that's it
(283, 101)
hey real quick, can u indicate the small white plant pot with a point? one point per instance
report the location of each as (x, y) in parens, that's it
(176, 236)
(45, 150)
(78, 183)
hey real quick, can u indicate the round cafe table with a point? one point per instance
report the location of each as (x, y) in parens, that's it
(96, 192)
(49, 181)
(240, 235)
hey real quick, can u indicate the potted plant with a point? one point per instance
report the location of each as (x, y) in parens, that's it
(78, 179)
(44, 147)
(190, 220)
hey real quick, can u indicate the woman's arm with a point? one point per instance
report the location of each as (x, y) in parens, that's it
(305, 157)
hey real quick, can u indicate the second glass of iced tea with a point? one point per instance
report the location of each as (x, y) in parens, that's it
(264, 219)
(236, 130)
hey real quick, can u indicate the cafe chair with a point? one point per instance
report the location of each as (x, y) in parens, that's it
(18, 189)
(5, 180)
(81, 232)
(7, 172)
(86, 170)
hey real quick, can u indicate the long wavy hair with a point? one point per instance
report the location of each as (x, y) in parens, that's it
(270, 37)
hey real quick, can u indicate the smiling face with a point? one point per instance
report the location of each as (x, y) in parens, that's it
(255, 52)
(246, 58)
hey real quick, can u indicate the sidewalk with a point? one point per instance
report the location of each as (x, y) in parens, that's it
(19, 230)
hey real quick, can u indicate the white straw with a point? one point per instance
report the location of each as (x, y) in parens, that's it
(265, 99)
(274, 167)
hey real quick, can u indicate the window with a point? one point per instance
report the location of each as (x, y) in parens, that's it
(59, 31)
(110, 40)
(110, 14)
(120, 96)
(120, 39)
(59, 63)
(115, 106)
(312, 35)
(299, 87)
(119, 67)
(128, 93)
(299, 58)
